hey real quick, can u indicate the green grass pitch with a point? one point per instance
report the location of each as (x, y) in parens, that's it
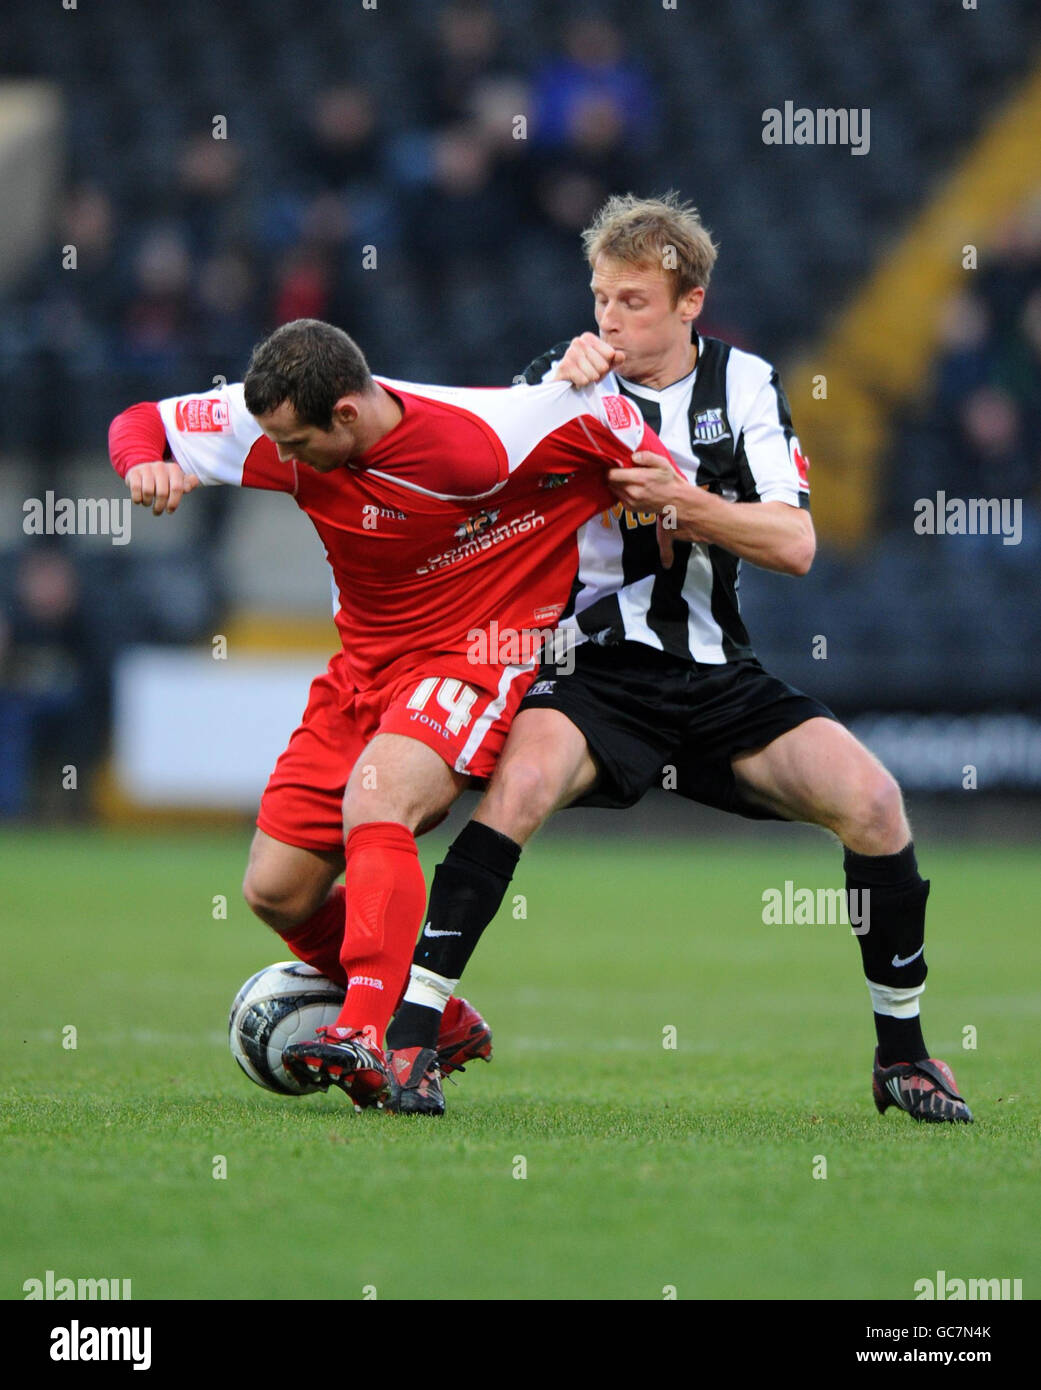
(647, 1168)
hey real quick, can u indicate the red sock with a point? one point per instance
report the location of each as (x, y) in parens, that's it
(319, 940)
(386, 898)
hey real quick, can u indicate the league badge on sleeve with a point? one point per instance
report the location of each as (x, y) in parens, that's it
(209, 416)
(620, 415)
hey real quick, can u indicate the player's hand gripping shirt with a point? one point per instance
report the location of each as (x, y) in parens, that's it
(728, 428)
(462, 515)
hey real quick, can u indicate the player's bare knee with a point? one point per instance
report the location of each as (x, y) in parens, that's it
(888, 810)
(280, 907)
(522, 797)
(361, 808)
(260, 903)
(880, 822)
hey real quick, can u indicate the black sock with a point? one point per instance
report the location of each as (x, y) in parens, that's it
(468, 889)
(892, 947)
(899, 1040)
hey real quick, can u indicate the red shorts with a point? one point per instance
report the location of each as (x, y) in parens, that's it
(463, 712)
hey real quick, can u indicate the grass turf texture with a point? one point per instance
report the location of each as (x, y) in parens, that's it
(646, 1166)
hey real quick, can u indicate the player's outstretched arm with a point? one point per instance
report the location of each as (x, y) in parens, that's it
(165, 449)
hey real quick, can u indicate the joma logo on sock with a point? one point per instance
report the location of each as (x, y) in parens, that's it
(51, 1288)
(951, 1290)
(823, 907)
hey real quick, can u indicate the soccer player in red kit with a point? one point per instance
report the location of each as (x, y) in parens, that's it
(448, 516)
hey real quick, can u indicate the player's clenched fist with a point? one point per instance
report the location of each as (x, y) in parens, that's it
(588, 359)
(159, 485)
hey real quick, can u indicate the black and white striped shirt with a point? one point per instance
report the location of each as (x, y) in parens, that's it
(728, 427)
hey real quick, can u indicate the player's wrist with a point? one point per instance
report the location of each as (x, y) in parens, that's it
(696, 511)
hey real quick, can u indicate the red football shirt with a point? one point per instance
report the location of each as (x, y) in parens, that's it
(462, 515)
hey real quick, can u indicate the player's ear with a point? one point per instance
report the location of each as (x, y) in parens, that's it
(691, 304)
(346, 410)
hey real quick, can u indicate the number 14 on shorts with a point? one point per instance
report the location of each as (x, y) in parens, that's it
(455, 698)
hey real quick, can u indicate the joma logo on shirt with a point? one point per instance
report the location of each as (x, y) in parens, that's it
(371, 514)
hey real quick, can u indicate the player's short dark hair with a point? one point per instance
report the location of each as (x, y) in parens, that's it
(310, 364)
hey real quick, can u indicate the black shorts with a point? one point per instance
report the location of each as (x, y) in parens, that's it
(651, 719)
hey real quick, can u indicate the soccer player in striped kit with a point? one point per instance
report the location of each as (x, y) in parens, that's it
(664, 674)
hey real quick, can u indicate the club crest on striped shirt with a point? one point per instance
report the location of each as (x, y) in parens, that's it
(709, 426)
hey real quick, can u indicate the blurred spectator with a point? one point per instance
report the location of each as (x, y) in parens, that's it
(207, 191)
(304, 287)
(89, 225)
(466, 51)
(584, 98)
(1012, 266)
(469, 211)
(339, 146)
(494, 106)
(225, 310)
(964, 349)
(994, 457)
(53, 686)
(157, 319)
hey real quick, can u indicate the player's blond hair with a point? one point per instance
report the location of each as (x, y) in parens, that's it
(663, 233)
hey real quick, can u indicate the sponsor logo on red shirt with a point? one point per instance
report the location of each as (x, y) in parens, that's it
(202, 417)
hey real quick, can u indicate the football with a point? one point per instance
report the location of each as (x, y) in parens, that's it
(280, 1004)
